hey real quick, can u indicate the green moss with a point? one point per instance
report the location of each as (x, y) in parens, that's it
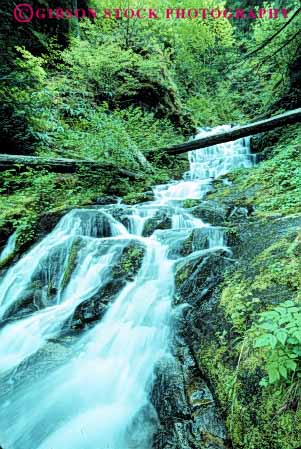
(137, 197)
(274, 185)
(182, 275)
(71, 263)
(187, 204)
(7, 260)
(130, 262)
(255, 418)
(237, 301)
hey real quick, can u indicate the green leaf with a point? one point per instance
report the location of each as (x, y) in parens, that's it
(283, 371)
(297, 335)
(262, 341)
(281, 336)
(274, 375)
(273, 341)
(268, 326)
(291, 365)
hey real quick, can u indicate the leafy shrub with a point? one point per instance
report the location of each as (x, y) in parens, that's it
(280, 337)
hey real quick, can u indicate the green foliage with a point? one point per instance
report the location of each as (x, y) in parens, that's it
(190, 203)
(249, 409)
(280, 336)
(257, 341)
(274, 185)
(71, 263)
(238, 302)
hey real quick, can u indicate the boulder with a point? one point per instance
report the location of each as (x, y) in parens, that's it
(124, 271)
(210, 212)
(199, 274)
(187, 413)
(161, 220)
(200, 239)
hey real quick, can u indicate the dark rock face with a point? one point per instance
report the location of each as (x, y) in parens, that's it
(188, 414)
(196, 277)
(162, 220)
(211, 336)
(211, 212)
(48, 222)
(105, 200)
(124, 271)
(49, 279)
(120, 213)
(186, 409)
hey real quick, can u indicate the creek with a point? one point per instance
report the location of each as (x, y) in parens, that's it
(87, 315)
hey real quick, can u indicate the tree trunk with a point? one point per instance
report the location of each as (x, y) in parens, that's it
(288, 118)
(61, 165)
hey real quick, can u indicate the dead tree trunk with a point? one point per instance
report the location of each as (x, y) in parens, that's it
(61, 165)
(288, 118)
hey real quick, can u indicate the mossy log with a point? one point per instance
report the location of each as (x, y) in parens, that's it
(288, 118)
(61, 165)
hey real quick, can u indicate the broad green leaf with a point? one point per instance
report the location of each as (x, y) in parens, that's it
(290, 364)
(283, 371)
(274, 375)
(281, 336)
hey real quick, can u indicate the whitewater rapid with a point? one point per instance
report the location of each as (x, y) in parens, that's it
(95, 395)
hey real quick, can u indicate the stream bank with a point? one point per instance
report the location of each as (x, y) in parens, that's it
(259, 208)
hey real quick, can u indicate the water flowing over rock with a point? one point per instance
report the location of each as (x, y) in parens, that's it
(129, 276)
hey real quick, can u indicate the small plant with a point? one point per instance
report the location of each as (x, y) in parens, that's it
(280, 337)
(187, 204)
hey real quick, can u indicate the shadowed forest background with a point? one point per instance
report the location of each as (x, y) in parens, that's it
(108, 91)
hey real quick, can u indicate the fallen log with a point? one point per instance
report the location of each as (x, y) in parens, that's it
(288, 118)
(61, 165)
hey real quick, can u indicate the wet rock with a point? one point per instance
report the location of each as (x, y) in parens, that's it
(186, 409)
(124, 271)
(197, 276)
(141, 430)
(211, 212)
(5, 232)
(93, 223)
(161, 220)
(48, 222)
(200, 239)
(50, 278)
(120, 213)
(106, 200)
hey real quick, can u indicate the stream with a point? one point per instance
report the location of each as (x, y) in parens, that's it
(70, 380)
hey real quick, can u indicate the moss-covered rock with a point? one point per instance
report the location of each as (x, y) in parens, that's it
(210, 212)
(161, 220)
(124, 271)
(196, 277)
(266, 272)
(130, 262)
(138, 197)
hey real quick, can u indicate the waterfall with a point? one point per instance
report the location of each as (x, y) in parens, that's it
(89, 388)
(9, 247)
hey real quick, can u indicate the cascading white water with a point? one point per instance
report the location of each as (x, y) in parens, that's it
(97, 397)
(9, 247)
